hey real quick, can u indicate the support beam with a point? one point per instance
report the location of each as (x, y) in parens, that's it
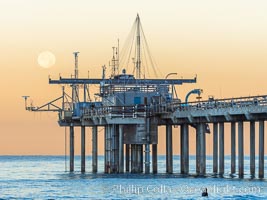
(240, 149)
(198, 149)
(82, 149)
(252, 148)
(155, 158)
(114, 148)
(127, 157)
(94, 149)
(133, 158)
(184, 149)
(221, 148)
(71, 148)
(233, 146)
(105, 150)
(108, 149)
(147, 158)
(261, 149)
(121, 150)
(139, 155)
(169, 155)
(147, 146)
(142, 158)
(215, 147)
(202, 146)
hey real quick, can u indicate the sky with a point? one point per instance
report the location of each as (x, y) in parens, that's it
(223, 42)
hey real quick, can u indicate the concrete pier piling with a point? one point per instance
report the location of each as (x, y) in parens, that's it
(252, 148)
(127, 157)
(94, 149)
(155, 158)
(201, 149)
(121, 150)
(135, 158)
(121, 157)
(142, 158)
(105, 150)
(108, 149)
(139, 158)
(221, 148)
(169, 154)
(147, 158)
(71, 148)
(198, 149)
(215, 147)
(114, 149)
(240, 149)
(184, 149)
(83, 149)
(233, 146)
(261, 149)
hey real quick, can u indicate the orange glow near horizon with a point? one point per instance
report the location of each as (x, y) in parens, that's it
(224, 43)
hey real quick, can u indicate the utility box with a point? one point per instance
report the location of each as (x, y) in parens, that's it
(67, 115)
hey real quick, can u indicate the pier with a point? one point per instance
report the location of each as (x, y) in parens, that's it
(131, 109)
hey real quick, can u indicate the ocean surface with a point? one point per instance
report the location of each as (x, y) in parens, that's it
(47, 177)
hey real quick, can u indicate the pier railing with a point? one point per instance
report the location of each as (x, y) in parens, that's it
(235, 103)
(118, 111)
(163, 108)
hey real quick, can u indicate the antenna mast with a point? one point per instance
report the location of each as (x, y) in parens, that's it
(115, 61)
(75, 88)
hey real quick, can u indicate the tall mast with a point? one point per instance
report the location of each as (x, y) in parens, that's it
(76, 64)
(75, 88)
(138, 45)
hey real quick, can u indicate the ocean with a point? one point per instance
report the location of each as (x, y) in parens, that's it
(47, 177)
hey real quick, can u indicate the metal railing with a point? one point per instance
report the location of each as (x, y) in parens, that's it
(163, 108)
(117, 111)
(236, 103)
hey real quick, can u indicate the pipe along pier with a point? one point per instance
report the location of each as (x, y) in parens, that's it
(131, 109)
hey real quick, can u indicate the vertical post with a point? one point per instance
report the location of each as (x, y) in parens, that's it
(135, 158)
(94, 148)
(105, 149)
(127, 157)
(147, 158)
(252, 148)
(147, 147)
(117, 165)
(139, 153)
(169, 156)
(240, 149)
(198, 149)
(82, 148)
(71, 148)
(142, 158)
(261, 149)
(84, 92)
(108, 148)
(215, 147)
(121, 150)
(202, 141)
(221, 148)
(184, 149)
(155, 158)
(233, 153)
(182, 165)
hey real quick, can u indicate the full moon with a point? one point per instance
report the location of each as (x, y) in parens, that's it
(46, 59)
